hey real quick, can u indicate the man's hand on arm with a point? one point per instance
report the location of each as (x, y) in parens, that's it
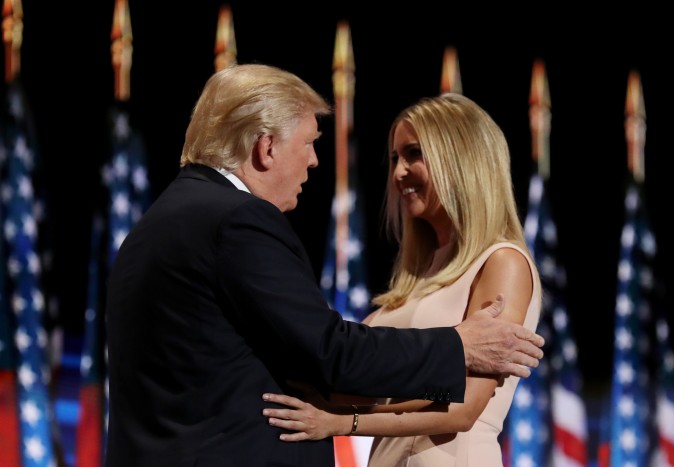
(497, 346)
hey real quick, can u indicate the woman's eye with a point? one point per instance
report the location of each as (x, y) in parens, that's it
(414, 153)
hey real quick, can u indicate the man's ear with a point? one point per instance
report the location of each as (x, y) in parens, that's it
(262, 152)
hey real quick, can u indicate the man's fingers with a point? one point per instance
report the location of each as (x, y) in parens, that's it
(530, 350)
(519, 364)
(499, 346)
(534, 338)
(517, 370)
(523, 359)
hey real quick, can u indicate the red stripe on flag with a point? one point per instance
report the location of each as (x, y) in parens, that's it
(344, 452)
(604, 454)
(505, 450)
(90, 428)
(667, 446)
(9, 421)
(572, 446)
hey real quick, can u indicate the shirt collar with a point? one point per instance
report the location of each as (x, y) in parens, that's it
(234, 179)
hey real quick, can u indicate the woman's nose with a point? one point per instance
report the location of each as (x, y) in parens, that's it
(400, 169)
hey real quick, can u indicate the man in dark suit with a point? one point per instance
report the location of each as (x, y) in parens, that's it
(212, 301)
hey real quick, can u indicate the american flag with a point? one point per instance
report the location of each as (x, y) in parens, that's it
(343, 278)
(90, 426)
(527, 438)
(9, 412)
(345, 289)
(126, 178)
(630, 441)
(662, 426)
(567, 414)
(665, 396)
(127, 198)
(25, 296)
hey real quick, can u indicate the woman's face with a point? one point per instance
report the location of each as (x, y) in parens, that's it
(412, 179)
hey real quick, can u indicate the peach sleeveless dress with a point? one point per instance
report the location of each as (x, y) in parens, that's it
(478, 447)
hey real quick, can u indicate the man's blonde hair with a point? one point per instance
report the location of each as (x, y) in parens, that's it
(238, 105)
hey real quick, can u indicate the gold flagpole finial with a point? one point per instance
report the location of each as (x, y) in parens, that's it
(343, 64)
(12, 36)
(539, 118)
(225, 42)
(635, 126)
(122, 49)
(450, 81)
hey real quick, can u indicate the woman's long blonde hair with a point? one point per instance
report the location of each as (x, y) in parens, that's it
(469, 165)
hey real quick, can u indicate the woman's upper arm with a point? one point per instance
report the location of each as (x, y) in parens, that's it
(506, 271)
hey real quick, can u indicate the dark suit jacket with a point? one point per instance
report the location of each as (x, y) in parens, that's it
(211, 302)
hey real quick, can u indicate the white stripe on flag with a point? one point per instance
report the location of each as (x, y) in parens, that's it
(666, 417)
(559, 459)
(361, 447)
(568, 411)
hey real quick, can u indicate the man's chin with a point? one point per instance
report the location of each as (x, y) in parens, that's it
(290, 206)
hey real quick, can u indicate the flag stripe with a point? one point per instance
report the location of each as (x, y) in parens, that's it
(127, 198)
(569, 447)
(344, 454)
(89, 449)
(667, 447)
(666, 418)
(569, 413)
(9, 421)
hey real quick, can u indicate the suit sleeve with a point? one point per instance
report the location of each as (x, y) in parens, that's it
(264, 271)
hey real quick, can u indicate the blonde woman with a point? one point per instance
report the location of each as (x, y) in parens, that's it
(451, 208)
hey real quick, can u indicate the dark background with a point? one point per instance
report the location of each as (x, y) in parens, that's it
(68, 79)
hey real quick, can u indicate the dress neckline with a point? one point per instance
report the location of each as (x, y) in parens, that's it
(439, 261)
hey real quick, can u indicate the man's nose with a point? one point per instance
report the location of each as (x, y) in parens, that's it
(313, 160)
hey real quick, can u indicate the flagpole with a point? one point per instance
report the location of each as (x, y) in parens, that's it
(91, 436)
(450, 80)
(10, 429)
(629, 429)
(567, 414)
(635, 126)
(225, 41)
(528, 414)
(539, 118)
(344, 89)
(635, 135)
(21, 232)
